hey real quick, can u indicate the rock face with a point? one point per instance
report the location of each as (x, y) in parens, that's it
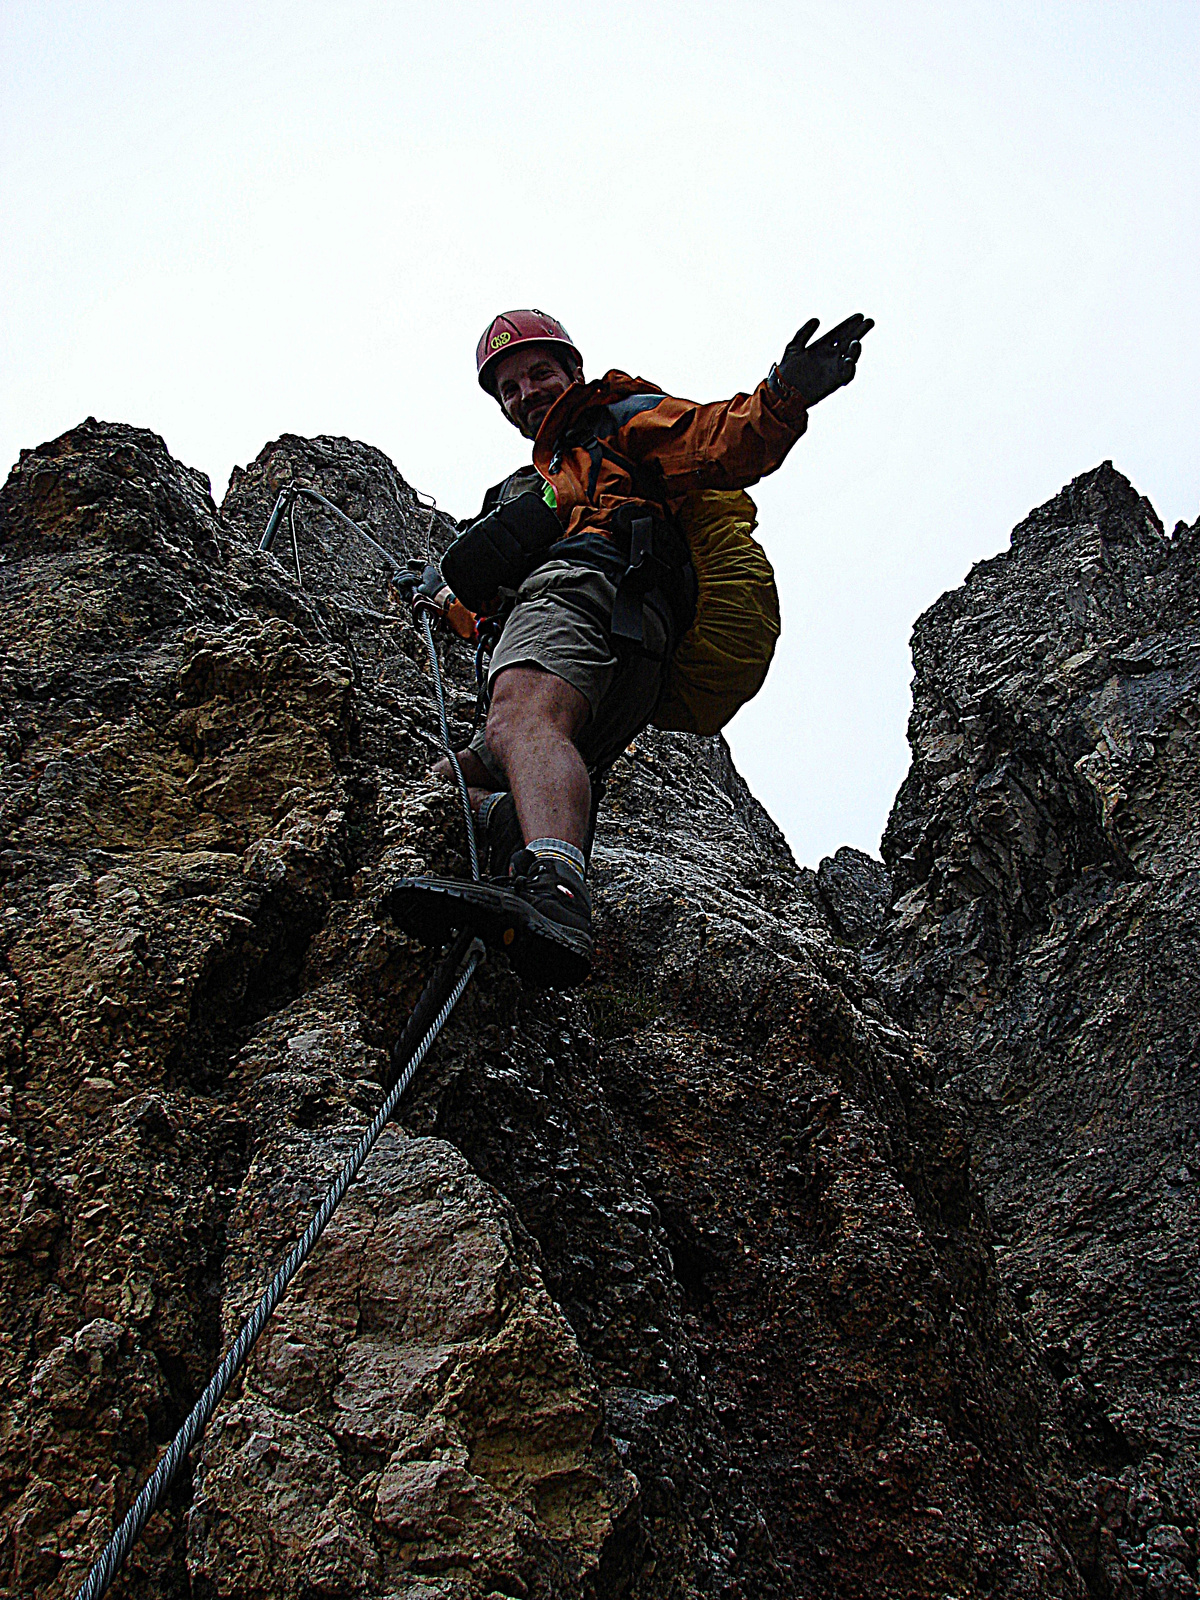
(1044, 938)
(677, 1286)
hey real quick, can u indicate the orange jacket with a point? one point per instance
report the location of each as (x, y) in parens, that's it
(595, 430)
(620, 439)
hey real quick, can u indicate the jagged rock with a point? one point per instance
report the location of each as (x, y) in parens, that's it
(855, 890)
(678, 1286)
(1044, 939)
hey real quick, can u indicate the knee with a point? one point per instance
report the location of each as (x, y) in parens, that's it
(471, 767)
(529, 705)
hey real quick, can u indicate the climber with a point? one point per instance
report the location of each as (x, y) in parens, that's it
(581, 555)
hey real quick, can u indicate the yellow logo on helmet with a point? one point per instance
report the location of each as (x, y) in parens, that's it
(500, 340)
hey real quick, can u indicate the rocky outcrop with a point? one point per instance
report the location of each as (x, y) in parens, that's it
(1044, 938)
(678, 1286)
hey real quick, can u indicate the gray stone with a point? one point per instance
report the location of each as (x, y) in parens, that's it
(1044, 940)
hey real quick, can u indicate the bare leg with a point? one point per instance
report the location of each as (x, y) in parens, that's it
(531, 727)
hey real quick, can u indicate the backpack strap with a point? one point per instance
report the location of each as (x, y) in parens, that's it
(658, 564)
(649, 568)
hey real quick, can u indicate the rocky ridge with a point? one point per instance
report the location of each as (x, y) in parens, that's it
(1043, 937)
(678, 1286)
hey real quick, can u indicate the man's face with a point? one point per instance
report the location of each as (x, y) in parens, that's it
(528, 382)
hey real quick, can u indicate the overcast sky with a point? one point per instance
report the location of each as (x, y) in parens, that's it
(228, 221)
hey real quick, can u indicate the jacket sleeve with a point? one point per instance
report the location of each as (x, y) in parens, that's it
(728, 444)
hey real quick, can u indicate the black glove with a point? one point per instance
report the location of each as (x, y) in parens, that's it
(405, 583)
(816, 370)
(422, 585)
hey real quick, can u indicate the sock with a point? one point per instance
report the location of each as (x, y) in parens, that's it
(487, 806)
(559, 850)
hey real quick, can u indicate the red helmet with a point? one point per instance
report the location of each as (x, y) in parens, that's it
(512, 328)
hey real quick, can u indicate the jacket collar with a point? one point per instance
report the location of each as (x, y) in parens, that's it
(572, 404)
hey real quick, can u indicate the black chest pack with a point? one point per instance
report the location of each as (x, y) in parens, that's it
(644, 553)
(702, 570)
(499, 551)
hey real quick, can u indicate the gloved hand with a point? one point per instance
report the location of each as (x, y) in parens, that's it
(405, 583)
(423, 586)
(816, 370)
(433, 594)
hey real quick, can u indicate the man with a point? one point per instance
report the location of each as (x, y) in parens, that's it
(580, 554)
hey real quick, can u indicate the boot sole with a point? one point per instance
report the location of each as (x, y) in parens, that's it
(543, 955)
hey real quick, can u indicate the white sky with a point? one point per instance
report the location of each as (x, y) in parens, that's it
(227, 221)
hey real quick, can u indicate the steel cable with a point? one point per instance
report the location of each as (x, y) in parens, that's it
(433, 511)
(109, 1563)
(115, 1552)
(287, 499)
(287, 496)
(295, 543)
(440, 695)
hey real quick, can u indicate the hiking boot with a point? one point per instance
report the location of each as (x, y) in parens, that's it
(541, 917)
(557, 950)
(503, 836)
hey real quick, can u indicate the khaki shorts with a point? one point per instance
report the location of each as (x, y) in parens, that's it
(555, 626)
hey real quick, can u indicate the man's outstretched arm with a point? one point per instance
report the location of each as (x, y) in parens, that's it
(731, 444)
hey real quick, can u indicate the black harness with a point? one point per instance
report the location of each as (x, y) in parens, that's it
(653, 564)
(645, 554)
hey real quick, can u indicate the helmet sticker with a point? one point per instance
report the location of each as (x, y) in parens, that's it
(500, 340)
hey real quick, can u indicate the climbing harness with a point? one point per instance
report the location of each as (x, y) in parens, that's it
(489, 630)
(705, 562)
(438, 1000)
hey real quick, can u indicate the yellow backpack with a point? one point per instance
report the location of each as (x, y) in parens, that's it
(722, 660)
